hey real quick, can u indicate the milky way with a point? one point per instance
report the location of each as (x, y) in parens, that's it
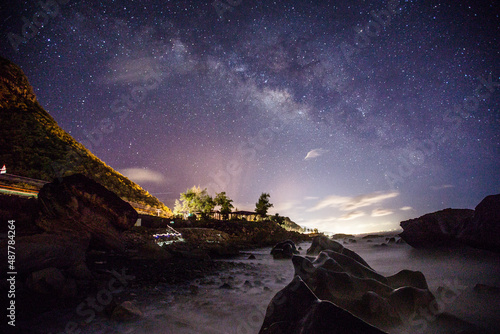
(353, 115)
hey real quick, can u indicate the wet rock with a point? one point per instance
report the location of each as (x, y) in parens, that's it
(77, 203)
(284, 250)
(126, 311)
(386, 302)
(297, 310)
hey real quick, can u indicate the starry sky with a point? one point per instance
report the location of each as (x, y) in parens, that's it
(353, 115)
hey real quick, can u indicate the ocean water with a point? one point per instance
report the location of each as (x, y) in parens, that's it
(235, 301)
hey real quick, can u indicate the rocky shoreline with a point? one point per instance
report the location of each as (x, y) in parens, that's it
(78, 240)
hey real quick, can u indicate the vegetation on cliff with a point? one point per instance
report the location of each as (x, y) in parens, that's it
(33, 144)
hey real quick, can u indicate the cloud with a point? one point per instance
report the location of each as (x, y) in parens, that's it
(142, 175)
(315, 153)
(406, 208)
(131, 71)
(345, 203)
(444, 186)
(381, 212)
(351, 215)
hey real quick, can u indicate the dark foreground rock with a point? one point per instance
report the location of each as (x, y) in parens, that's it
(385, 302)
(79, 204)
(478, 228)
(296, 309)
(284, 250)
(63, 250)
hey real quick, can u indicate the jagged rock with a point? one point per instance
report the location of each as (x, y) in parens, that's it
(297, 310)
(321, 243)
(386, 302)
(79, 204)
(126, 311)
(284, 250)
(60, 250)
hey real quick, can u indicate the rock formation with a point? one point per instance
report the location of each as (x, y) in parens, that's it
(77, 203)
(284, 250)
(321, 243)
(297, 310)
(478, 228)
(352, 296)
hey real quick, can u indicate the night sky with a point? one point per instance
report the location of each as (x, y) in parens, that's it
(353, 115)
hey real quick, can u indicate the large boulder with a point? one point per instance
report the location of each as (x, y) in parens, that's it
(478, 228)
(297, 310)
(284, 250)
(436, 229)
(63, 250)
(386, 302)
(77, 203)
(483, 231)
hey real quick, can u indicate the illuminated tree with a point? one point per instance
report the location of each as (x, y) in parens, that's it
(263, 205)
(225, 204)
(194, 200)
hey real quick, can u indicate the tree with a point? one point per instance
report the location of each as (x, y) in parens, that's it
(194, 200)
(263, 205)
(225, 204)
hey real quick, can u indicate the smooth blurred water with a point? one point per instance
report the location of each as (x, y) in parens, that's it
(241, 309)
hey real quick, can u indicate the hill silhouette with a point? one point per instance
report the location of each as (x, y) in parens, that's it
(33, 145)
